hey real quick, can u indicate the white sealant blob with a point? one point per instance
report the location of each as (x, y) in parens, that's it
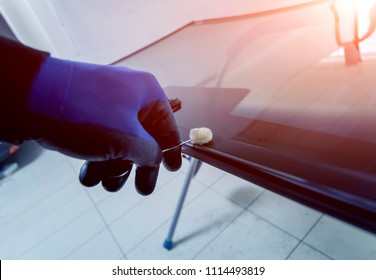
(200, 136)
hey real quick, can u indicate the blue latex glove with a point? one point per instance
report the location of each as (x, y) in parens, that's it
(112, 116)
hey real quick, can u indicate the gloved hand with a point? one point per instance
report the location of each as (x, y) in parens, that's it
(111, 116)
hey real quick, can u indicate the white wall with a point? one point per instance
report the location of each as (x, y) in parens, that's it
(103, 31)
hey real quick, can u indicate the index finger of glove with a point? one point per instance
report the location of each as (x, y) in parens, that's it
(158, 120)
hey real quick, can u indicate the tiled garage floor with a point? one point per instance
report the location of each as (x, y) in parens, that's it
(46, 214)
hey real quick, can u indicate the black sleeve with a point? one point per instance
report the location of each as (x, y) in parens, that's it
(18, 66)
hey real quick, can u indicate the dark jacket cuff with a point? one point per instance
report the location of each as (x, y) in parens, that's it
(19, 66)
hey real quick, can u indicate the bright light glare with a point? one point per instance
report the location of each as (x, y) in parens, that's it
(344, 6)
(345, 10)
(364, 5)
(363, 8)
(349, 5)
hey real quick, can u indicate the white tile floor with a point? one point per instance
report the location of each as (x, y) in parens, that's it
(46, 214)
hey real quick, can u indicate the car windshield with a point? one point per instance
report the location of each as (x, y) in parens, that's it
(309, 70)
(290, 60)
